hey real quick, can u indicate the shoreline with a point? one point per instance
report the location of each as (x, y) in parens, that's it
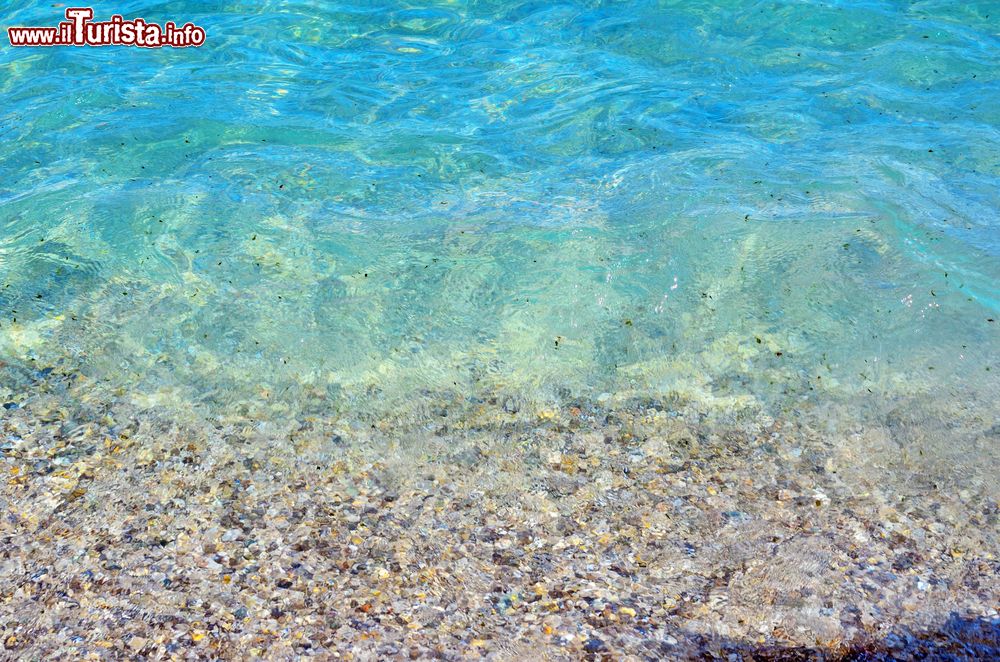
(628, 531)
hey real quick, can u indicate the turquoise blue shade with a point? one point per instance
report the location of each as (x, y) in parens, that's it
(771, 204)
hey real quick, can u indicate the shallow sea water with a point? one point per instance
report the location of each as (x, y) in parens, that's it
(513, 196)
(389, 214)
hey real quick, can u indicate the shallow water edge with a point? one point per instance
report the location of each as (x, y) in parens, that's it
(635, 528)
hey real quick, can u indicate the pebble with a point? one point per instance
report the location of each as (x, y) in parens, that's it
(503, 532)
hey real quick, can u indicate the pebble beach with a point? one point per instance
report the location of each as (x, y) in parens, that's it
(617, 330)
(622, 530)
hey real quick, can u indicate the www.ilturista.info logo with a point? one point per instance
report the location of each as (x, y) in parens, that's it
(79, 30)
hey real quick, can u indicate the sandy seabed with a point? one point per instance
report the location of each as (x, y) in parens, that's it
(633, 528)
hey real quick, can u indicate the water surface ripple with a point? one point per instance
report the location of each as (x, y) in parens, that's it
(741, 203)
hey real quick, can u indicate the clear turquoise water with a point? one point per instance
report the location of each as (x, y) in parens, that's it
(767, 204)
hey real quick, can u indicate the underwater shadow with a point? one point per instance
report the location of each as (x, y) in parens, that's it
(957, 639)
